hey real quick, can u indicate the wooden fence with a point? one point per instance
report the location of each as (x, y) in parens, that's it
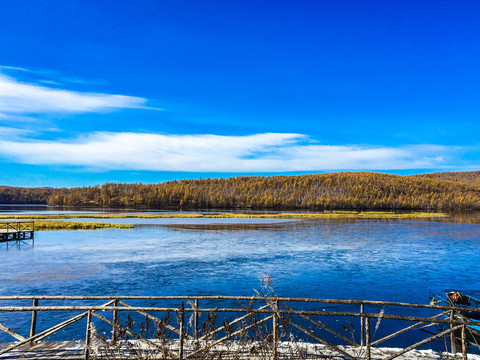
(274, 327)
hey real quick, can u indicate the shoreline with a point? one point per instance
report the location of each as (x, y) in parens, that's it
(49, 222)
(286, 215)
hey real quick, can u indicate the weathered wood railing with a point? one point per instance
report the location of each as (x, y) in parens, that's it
(275, 319)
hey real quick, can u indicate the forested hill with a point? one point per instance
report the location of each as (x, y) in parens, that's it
(349, 190)
(471, 177)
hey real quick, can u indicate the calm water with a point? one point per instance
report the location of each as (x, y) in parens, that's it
(393, 260)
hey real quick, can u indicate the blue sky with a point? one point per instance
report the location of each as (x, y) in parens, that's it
(149, 91)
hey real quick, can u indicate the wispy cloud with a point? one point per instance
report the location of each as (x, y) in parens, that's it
(14, 68)
(22, 98)
(268, 152)
(13, 133)
(47, 76)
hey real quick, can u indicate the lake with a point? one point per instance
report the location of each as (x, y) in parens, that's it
(390, 260)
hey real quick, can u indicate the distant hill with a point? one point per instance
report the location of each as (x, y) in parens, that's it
(333, 191)
(471, 177)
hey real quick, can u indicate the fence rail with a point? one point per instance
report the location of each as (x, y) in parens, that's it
(276, 326)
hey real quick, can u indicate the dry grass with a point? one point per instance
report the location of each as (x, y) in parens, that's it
(324, 215)
(251, 338)
(76, 225)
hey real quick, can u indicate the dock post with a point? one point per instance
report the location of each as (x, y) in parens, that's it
(362, 325)
(453, 346)
(276, 335)
(182, 331)
(464, 342)
(33, 324)
(87, 335)
(115, 322)
(195, 321)
(367, 330)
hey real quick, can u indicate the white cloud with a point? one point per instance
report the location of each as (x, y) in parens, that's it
(21, 98)
(268, 152)
(13, 132)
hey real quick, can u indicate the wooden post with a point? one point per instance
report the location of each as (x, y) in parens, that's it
(33, 325)
(453, 346)
(87, 335)
(115, 322)
(367, 331)
(276, 328)
(195, 321)
(182, 332)
(362, 325)
(464, 342)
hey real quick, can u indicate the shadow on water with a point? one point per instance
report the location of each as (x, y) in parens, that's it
(247, 224)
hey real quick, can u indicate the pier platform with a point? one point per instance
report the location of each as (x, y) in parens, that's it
(16, 231)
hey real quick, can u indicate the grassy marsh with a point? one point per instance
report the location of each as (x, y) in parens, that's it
(324, 215)
(76, 225)
(49, 222)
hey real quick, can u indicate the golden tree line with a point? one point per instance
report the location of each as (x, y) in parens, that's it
(345, 190)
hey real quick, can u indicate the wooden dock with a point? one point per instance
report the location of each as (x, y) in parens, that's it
(16, 231)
